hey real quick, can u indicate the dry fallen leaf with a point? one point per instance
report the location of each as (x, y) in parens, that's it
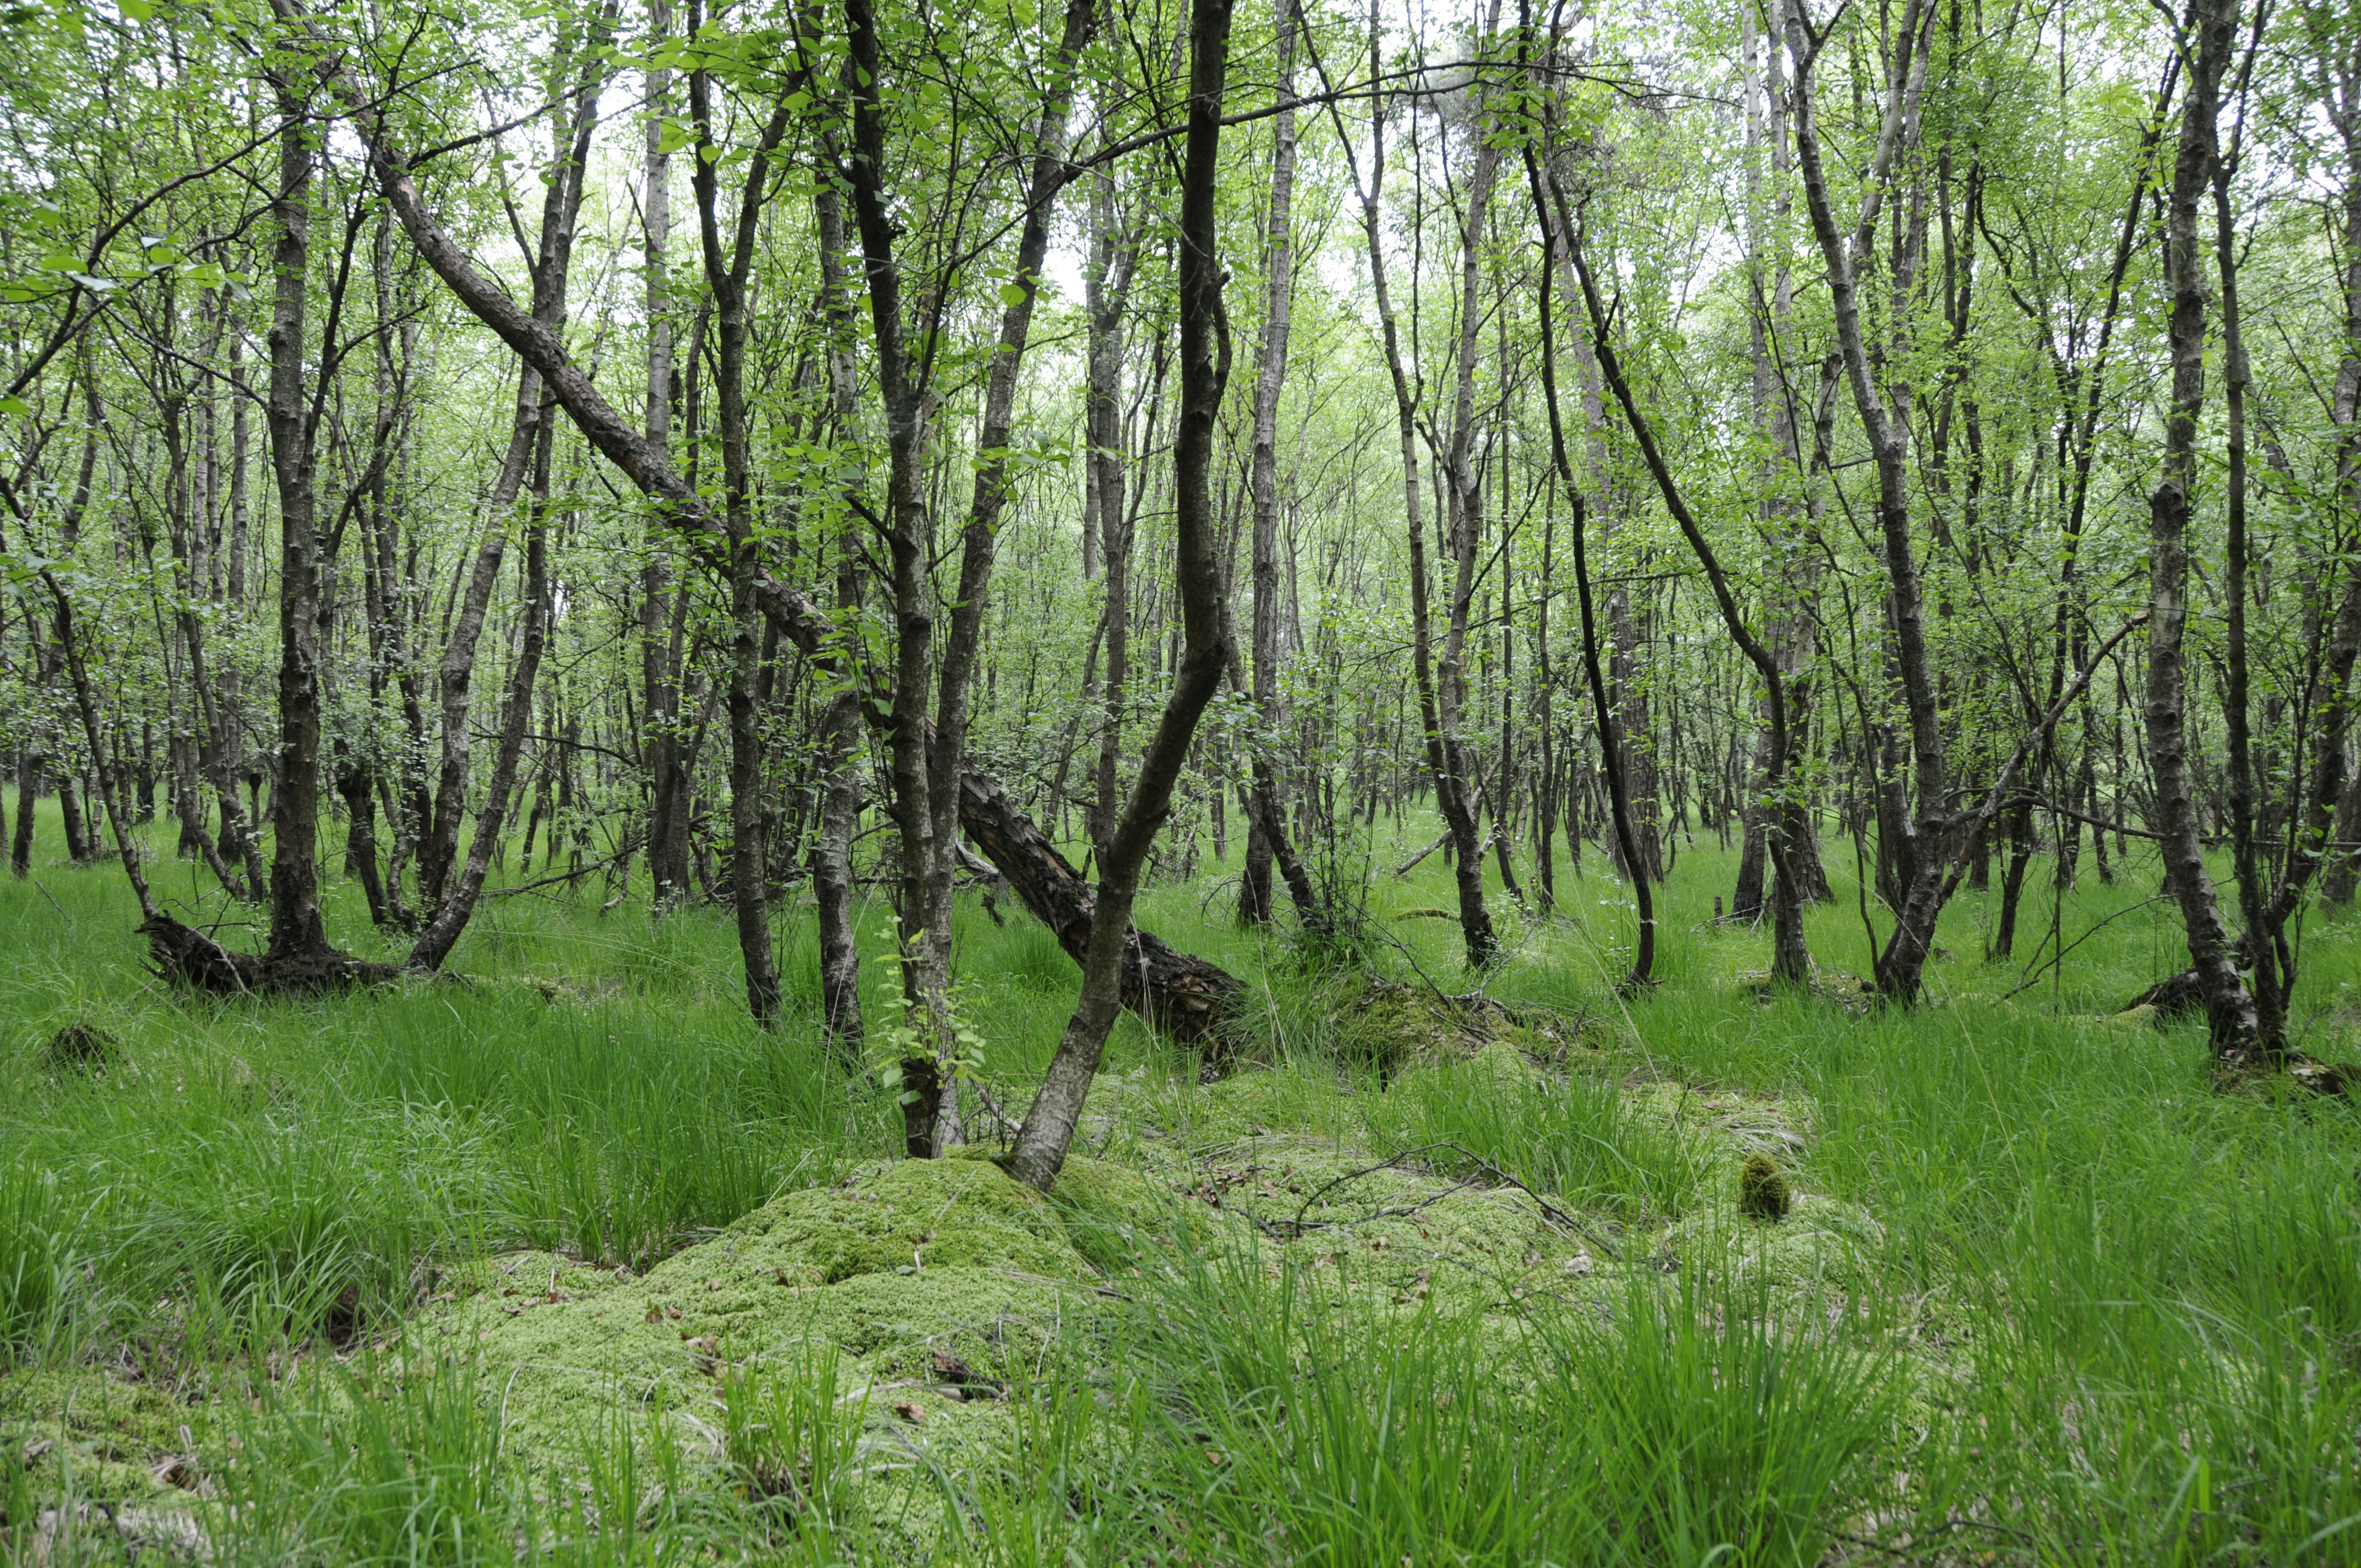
(909, 1410)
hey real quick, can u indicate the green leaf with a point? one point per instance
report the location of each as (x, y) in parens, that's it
(12, 404)
(1012, 294)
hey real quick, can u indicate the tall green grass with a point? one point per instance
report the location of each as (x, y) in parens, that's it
(2118, 1317)
(1306, 1424)
(1576, 1137)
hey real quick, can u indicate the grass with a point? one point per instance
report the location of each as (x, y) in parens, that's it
(2090, 1309)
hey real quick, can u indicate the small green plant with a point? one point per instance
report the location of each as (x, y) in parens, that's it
(1580, 1138)
(1724, 1430)
(1761, 1191)
(913, 1032)
(345, 1470)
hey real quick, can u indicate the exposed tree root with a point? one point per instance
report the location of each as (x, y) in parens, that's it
(186, 956)
(2177, 996)
(2174, 996)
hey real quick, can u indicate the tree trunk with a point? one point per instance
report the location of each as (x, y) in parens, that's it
(2229, 1006)
(661, 744)
(1180, 992)
(1437, 721)
(1920, 840)
(1049, 1129)
(1266, 815)
(296, 931)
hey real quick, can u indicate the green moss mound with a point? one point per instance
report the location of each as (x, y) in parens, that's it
(1761, 1191)
(906, 1266)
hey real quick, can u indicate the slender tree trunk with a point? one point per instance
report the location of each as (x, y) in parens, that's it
(1611, 750)
(296, 930)
(1266, 816)
(1049, 1129)
(1921, 840)
(841, 723)
(1114, 258)
(725, 277)
(2229, 1006)
(661, 749)
(1186, 994)
(561, 204)
(1437, 717)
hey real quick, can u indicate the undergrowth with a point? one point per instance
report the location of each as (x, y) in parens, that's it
(1451, 1282)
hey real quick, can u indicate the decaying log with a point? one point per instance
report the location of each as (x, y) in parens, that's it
(1187, 997)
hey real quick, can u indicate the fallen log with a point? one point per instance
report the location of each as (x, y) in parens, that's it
(186, 956)
(1186, 996)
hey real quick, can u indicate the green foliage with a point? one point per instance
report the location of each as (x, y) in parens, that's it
(2040, 1292)
(338, 1471)
(791, 1436)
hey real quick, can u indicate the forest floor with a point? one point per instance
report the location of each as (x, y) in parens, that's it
(565, 1260)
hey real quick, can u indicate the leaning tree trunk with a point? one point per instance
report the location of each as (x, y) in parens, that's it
(1049, 1126)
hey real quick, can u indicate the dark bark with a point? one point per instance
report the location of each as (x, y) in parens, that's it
(297, 933)
(2229, 1006)
(355, 783)
(1049, 1129)
(1921, 838)
(1177, 992)
(725, 276)
(30, 765)
(1611, 750)
(1791, 961)
(661, 747)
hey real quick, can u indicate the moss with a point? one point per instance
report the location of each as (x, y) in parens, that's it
(1761, 1191)
(902, 1259)
(913, 1215)
(95, 1435)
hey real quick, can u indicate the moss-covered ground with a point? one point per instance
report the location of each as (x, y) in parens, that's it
(566, 1261)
